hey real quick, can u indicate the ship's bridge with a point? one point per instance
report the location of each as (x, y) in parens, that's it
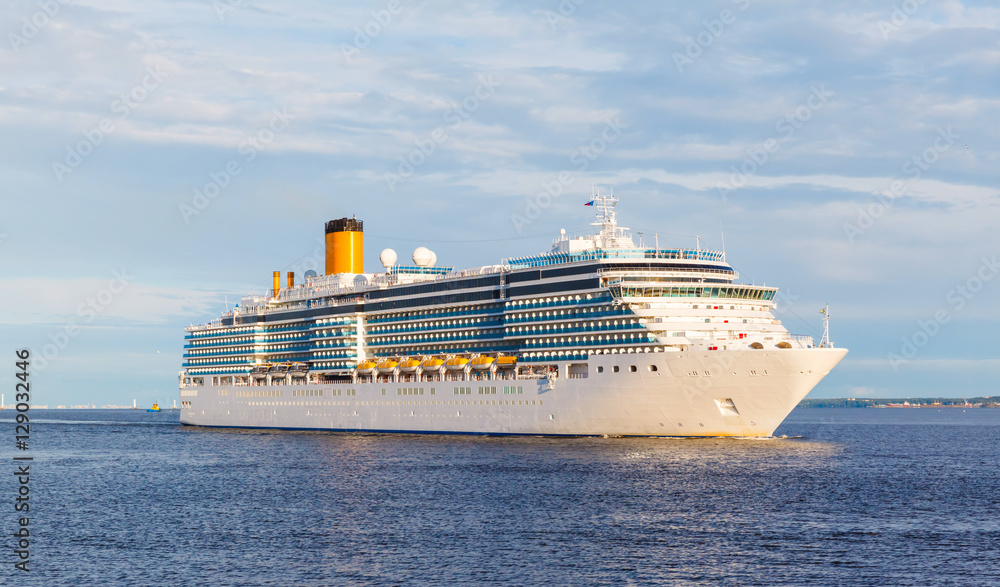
(630, 254)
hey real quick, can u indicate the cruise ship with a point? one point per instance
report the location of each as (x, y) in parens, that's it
(596, 337)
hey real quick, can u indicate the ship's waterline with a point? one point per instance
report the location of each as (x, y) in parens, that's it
(596, 337)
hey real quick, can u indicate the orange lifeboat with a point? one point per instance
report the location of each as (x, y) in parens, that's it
(432, 364)
(504, 362)
(456, 363)
(409, 365)
(387, 366)
(482, 363)
(366, 367)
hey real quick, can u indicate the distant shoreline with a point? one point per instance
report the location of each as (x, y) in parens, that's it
(903, 403)
(34, 407)
(889, 403)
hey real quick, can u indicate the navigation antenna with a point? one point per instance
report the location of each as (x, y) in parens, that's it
(824, 342)
(611, 235)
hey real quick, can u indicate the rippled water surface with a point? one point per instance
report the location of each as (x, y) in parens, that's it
(850, 497)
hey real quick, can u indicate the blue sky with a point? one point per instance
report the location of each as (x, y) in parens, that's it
(161, 157)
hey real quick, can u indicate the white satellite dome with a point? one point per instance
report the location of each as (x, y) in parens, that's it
(434, 258)
(388, 258)
(423, 257)
(360, 281)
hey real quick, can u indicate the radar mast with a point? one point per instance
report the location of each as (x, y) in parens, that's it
(611, 236)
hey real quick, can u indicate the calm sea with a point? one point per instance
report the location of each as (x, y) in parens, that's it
(850, 497)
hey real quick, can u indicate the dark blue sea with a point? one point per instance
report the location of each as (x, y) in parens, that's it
(849, 497)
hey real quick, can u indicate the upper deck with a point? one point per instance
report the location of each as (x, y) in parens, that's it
(582, 263)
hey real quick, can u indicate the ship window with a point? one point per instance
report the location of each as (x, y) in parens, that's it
(615, 368)
(632, 368)
(600, 369)
(652, 368)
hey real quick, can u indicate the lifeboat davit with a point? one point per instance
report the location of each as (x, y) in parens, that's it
(482, 363)
(506, 362)
(456, 363)
(366, 367)
(387, 366)
(432, 364)
(409, 366)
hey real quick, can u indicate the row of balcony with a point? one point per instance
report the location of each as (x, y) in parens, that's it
(435, 327)
(540, 344)
(529, 318)
(432, 315)
(456, 338)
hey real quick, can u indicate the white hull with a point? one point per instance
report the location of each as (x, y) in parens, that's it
(704, 393)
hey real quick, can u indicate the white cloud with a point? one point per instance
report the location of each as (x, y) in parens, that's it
(51, 300)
